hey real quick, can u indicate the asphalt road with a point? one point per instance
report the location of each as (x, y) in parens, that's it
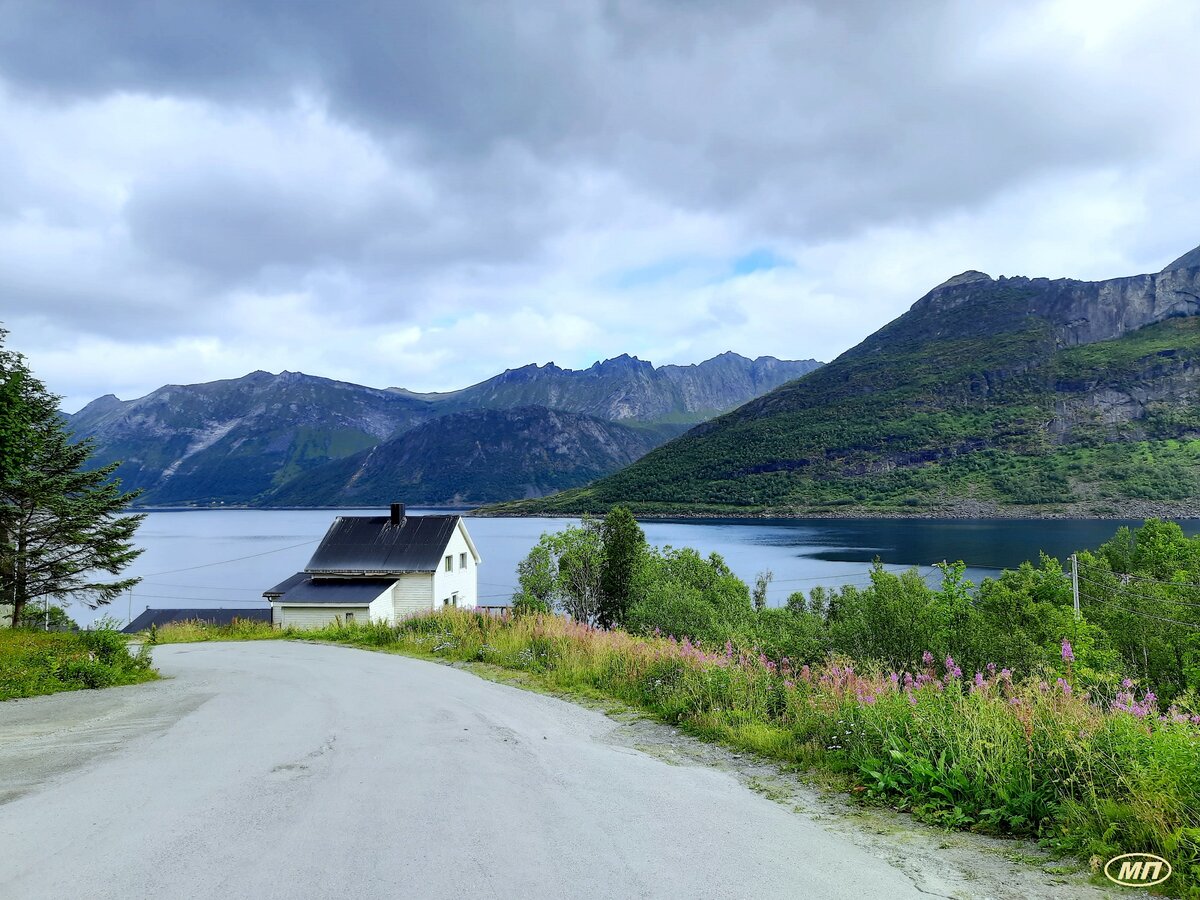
(287, 770)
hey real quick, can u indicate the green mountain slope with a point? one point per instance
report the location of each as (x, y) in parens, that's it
(990, 396)
(476, 457)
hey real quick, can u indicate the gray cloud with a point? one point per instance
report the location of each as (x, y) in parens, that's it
(164, 167)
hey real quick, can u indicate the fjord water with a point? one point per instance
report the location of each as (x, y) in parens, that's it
(227, 558)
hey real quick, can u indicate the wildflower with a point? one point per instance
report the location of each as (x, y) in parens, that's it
(1006, 674)
(788, 684)
(927, 658)
(991, 668)
(1068, 654)
(1127, 683)
(978, 679)
(729, 649)
(952, 670)
(1043, 687)
(1064, 687)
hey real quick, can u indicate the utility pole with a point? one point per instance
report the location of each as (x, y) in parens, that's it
(1075, 583)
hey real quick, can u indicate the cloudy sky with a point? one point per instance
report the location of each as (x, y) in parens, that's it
(425, 193)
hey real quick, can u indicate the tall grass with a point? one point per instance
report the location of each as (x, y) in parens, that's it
(188, 632)
(34, 662)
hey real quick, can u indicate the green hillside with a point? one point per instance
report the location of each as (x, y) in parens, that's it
(990, 396)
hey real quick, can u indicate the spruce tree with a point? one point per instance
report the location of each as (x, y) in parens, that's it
(63, 527)
(624, 556)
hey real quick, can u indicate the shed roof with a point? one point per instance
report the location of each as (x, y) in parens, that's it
(360, 544)
(222, 616)
(304, 588)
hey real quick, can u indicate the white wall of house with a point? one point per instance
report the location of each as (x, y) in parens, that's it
(318, 615)
(462, 576)
(413, 593)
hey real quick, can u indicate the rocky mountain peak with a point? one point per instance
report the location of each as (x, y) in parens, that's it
(968, 277)
(1189, 260)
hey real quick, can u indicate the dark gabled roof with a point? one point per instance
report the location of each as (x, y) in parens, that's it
(284, 586)
(338, 591)
(161, 617)
(357, 544)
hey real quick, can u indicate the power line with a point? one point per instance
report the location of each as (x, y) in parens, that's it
(1124, 575)
(140, 596)
(227, 561)
(1128, 593)
(1143, 615)
(198, 587)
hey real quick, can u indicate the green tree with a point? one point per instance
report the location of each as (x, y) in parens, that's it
(563, 571)
(579, 551)
(537, 575)
(624, 557)
(61, 524)
(762, 581)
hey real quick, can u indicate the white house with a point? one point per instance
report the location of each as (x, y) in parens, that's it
(381, 568)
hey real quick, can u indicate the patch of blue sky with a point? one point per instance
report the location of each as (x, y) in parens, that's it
(759, 260)
(698, 270)
(690, 267)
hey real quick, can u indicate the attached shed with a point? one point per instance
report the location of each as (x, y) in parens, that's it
(381, 568)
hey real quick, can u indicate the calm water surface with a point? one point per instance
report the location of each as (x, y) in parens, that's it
(227, 558)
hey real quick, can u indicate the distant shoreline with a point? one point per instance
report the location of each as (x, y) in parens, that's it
(1131, 511)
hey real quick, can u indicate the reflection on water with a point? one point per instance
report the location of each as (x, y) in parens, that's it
(227, 558)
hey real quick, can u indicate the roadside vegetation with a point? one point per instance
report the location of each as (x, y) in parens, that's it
(33, 663)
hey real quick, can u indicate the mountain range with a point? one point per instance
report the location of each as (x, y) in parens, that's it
(296, 439)
(990, 396)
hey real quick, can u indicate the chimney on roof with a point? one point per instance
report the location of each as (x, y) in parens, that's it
(397, 513)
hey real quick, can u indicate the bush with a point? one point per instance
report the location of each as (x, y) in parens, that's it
(34, 663)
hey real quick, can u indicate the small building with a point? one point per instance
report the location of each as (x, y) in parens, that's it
(221, 616)
(381, 569)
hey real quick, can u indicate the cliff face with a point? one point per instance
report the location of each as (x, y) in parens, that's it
(1021, 392)
(1081, 312)
(626, 388)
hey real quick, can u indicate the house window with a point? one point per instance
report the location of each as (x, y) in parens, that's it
(446, 601)
(462, 560)
(454, 599)
(449, 563)
(349, 618)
